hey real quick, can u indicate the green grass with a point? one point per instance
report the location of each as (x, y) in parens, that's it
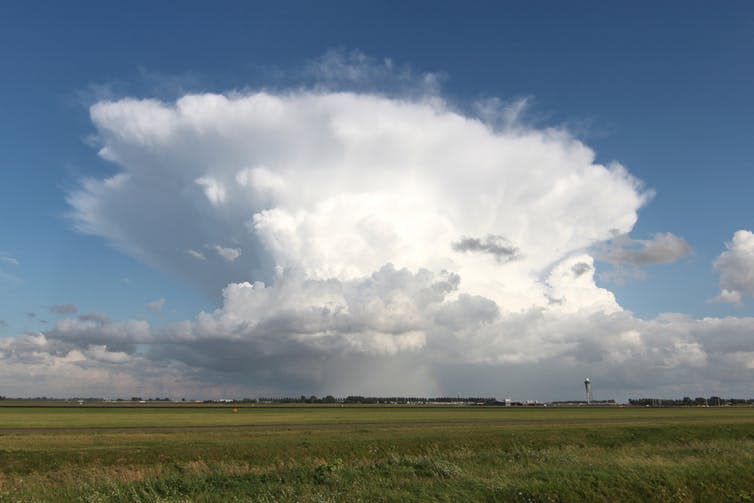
(376, 454)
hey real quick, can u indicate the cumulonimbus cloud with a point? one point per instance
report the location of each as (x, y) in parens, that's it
(339, 184)
(369, 244)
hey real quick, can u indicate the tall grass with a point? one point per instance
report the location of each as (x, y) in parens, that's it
(432, 456)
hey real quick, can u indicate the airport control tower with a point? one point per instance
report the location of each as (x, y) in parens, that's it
(588, 389)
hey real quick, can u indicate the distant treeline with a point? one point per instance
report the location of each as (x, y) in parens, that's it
(398, 400)
(583, 402)
(87, 399)
(688, 401)
(356, 399)
(329, 399)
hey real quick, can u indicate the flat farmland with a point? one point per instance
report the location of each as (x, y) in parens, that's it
(187, 453)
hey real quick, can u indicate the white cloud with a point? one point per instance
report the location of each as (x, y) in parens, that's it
(356, 71)
(197, 255)
(730, 296)
(156, 305)
(8, 260)
(736, 268)
(228, 254)
(214, 190)
(501, 114)
(100, 353)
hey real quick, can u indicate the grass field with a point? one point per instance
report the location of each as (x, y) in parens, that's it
(376, 454)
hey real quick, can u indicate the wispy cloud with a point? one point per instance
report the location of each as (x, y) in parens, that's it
(156, 305)
(8, 278)
(64, 309)
(8, 260)
(226, 253)
(197, 255)
(94, 317)
(340, 69)
(213, 189)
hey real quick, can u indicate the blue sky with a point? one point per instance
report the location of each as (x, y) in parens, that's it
(665, 90)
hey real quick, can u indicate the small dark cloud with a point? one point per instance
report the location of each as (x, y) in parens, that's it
(3, 323)
(554, 301)
(497, 246)
(628, 255)
(98, 317)
(581, 268)
(64, 309)
(662, 248)
(32, 315)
